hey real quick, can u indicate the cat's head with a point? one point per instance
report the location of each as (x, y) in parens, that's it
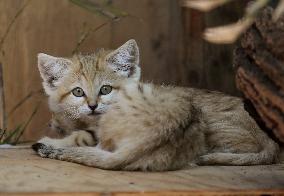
(85, 85)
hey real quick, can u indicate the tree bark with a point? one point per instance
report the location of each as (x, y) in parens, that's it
(260, 70)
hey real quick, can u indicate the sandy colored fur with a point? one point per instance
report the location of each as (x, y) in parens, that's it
(142, 126)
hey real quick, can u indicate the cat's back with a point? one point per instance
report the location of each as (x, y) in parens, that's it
(158, 116)
(214, 101)
(219, 108)
(148, 100)
(149, 109)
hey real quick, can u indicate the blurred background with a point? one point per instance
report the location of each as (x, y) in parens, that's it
(169, 36)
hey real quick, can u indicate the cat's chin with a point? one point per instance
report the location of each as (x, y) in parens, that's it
(94, 113)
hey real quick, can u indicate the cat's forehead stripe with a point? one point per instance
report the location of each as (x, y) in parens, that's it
(97, 64)
(90, 64)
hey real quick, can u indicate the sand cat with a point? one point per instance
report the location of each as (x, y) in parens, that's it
(142, 126)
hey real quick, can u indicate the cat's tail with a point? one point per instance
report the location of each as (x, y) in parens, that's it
(268, 155)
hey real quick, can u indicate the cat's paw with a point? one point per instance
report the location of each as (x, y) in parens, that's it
(44, 150)
(85, 138)
(49, 142)
(202, 160)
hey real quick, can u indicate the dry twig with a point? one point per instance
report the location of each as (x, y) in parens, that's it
(11, 24)
(87, 33)
(229, 33)
(2, 100)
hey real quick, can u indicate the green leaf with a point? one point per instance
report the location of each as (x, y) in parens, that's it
(8, 139)
(23, 100)
(16, 134)
(26, 124)
(2, 134)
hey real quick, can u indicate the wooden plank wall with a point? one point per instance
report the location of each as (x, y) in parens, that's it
(169, 37)
(207, 65)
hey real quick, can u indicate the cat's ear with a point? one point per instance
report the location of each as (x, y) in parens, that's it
(125, 60)
(52, 69)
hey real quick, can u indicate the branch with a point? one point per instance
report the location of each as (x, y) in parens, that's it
(107, 11)
(2, 100)
(11, 24)
(86, 34)
(23, 100)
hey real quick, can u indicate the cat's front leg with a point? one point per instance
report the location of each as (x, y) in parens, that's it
(77, 138)
(45, 150)
(90, 156)
(95, 156)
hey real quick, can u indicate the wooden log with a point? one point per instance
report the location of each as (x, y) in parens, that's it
(256, 49)
(260, 70)
(271, 32)
(262, 92)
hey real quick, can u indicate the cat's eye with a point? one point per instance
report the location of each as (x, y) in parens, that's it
(105, 89)
(78, 92)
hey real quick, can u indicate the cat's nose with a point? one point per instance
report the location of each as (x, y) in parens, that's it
(93, 107)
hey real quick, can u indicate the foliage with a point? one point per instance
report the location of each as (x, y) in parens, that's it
(13, 136)
(99, 7)
(103, 8)
(230, 33)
